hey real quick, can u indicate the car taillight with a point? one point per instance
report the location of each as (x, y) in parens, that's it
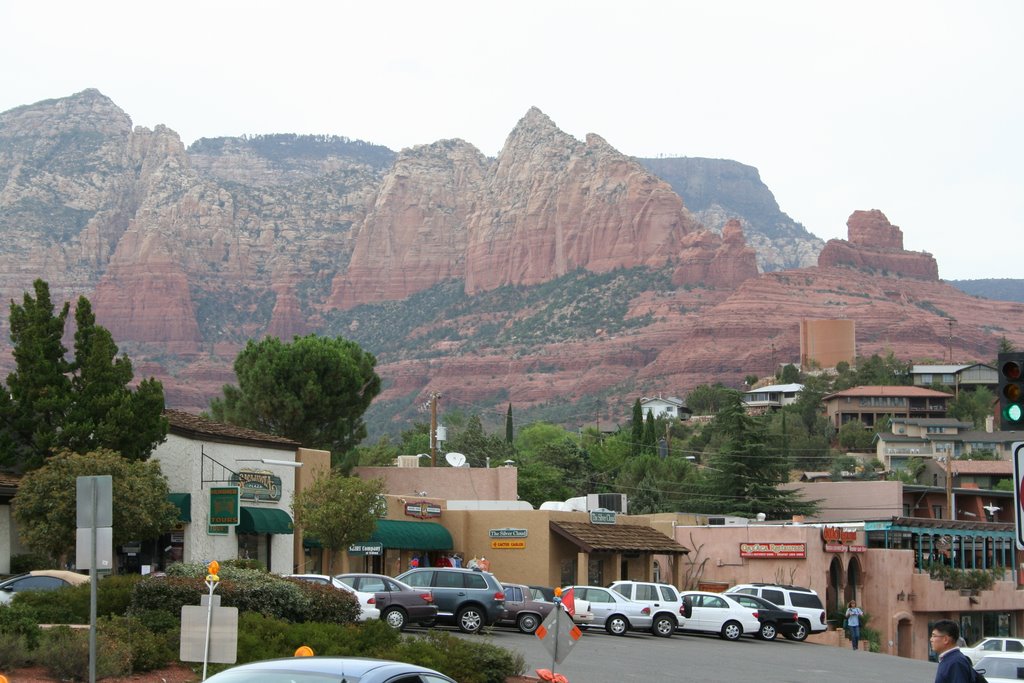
(427, 597)
(645, 610)
(499, 596)
(682, 610)
(822, 617)
(372, 601)
(756, 615)
(796, 617)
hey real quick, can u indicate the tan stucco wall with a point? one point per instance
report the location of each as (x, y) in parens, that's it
(451, 483)
(315, 464)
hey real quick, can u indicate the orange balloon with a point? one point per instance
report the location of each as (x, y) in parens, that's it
(304, 651)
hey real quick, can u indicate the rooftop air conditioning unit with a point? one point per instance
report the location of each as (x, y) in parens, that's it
(716, 521)
(408, 461)
(607, 501)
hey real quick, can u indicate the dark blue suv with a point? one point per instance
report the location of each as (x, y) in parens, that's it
(468, 598)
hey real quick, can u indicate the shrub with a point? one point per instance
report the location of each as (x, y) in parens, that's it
(463, 660)
(14, 651)
(148, 650)
(166, 594)
(68, 605)
(17, 619)
(65, 654)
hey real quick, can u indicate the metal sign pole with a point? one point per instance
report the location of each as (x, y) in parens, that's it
(211, 582)
(92, 586)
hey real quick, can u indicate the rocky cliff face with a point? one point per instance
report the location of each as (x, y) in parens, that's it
(877, 245)
(186, 254)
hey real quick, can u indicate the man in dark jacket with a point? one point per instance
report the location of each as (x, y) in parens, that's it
(954, 666)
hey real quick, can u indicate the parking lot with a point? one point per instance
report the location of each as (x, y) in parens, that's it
(602, 658)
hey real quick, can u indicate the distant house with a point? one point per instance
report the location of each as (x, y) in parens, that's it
(670, 407)
(870, 403)
(940, 437)
(957, 376)
(771, 397)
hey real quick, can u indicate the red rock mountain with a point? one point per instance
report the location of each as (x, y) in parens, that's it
(559, 274)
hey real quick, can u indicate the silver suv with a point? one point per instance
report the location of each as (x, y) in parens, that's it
(667, 609)
(804, 601)
(469, 598)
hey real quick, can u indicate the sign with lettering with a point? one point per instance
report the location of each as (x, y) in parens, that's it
(508, 545)
(258, 485)
(507, 533)
(774, 550)
(837, 534)
(366, 548)
(422, 509)
(224, 505)
(602, 516)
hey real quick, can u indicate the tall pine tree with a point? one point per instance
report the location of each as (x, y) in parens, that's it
(638, 428)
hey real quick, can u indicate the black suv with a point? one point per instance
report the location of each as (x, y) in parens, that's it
(804, 601)
(773, 619)
(468, 598)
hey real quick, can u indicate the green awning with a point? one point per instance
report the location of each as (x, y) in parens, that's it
(184, 503)
(392, 533)
(263, 521)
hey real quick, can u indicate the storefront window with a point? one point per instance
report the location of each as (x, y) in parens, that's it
(253, 547)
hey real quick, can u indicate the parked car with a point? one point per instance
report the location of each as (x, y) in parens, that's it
(993, 646)
(617, 613)
(581, 615)
(367, 601)
(320, 669)
(39, 580)
(522, 609)
(1001, 668)
(468, 598)
(718, 613)
(773, 619)
(804, 601)
(543, 593)
(667, 608)
(399, 603)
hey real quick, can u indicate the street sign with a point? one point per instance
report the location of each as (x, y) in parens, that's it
(104, 548)
(94, 494)
(1017, 455)
(558, 634)
(223, 647)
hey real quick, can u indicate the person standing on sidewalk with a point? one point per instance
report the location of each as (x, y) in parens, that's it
(954, 666)
(853, 615)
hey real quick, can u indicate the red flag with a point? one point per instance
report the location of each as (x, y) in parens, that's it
(569, 601)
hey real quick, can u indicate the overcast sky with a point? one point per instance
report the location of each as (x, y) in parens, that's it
(914, 108)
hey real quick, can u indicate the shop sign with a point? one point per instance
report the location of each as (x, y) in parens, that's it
(508, 545)
(773, 550)
(258, 485)
(837, 534)
(422, 509)
(217, 530)
(224, 506)
(602, 516)
(507, 533)
(366, 548)
(840, 548)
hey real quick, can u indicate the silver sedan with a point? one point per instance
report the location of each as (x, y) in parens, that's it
(615, 612)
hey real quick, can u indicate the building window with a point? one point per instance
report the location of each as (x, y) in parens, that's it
(657, 572)
(936, 512)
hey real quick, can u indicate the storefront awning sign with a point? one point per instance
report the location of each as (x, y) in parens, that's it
(422, 509)
(366, 548)
(507, 533)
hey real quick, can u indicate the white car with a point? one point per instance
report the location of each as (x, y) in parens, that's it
(367, 601)
(718, 613)
(994, 646)
(1005, 667)
(614, 611)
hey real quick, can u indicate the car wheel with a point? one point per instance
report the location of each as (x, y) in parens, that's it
(768, 631)
(616, 625)
(663, 627)
(731, 630)
(800, 634)
(395, 617)
(428, 623)
(470, 620)
(528, 623)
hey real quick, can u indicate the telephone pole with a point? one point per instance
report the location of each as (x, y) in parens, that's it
(433, 428)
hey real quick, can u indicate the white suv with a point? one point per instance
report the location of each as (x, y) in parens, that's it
(804, 601)
(667, 610)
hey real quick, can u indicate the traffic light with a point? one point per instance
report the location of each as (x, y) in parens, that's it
(1011, 390)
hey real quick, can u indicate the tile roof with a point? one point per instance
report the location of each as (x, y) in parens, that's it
(902, 391)
(197, 427)
(617, 538)
(982, 467)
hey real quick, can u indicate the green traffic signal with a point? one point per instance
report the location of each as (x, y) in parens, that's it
(1011, 389)
(1014, 413)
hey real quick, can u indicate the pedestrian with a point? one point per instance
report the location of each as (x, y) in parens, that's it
(853, 615)
(954, 666)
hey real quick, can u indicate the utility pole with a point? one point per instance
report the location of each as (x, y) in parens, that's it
(950, 339)
(949, 487)
(433, 428)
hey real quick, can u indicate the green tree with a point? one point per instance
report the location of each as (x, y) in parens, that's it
(81, 405)
(46, 511)
(656, 484)
(104, 411)
(973, 406)
(508, 425)
(339, 511)
(39, 387)
(855, 436)
(744, 473)
(313, 390)
(650, 440)
(707, 399)
(790, 374)
(637, 427)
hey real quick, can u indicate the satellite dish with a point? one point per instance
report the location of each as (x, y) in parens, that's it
(455, 459)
